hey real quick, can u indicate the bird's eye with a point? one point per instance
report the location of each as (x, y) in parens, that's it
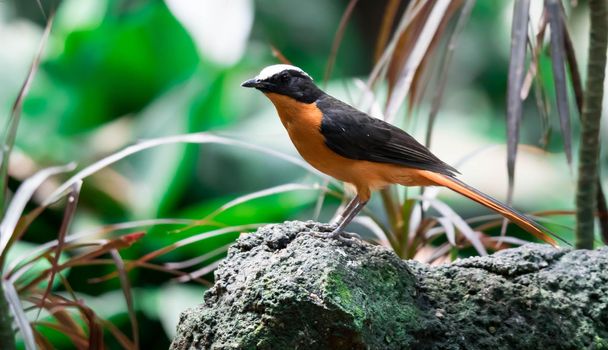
(284, 78)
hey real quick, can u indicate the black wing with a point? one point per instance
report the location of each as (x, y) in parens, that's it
(355, 135)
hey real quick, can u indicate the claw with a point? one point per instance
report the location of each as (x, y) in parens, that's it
(350, 235)
(329, 226)
(326, 234)
(340, 235)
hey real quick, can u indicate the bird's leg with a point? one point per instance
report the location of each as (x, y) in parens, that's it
(339, 231)
(352, 209)
(349, 207)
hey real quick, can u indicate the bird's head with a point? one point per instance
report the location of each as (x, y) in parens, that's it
(287, 80)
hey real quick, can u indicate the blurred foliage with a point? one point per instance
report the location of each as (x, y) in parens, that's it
(117, 71)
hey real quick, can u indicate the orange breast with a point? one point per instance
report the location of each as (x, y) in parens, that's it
(303, 123)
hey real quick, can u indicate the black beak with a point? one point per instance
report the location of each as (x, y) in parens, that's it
(251, 83)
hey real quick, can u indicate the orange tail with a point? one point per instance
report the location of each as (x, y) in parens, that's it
(518, 218)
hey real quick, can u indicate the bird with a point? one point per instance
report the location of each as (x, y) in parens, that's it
(366, 152)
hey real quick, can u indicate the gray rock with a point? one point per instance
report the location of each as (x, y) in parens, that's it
(284, 288)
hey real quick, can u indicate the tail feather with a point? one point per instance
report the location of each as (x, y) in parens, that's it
(516, 217)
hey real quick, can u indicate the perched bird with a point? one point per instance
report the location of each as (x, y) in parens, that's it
(353, 147)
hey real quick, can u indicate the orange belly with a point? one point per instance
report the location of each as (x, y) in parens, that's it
(303, 123)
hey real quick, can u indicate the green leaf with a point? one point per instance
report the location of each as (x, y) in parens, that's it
(120, 66)
(20, 249)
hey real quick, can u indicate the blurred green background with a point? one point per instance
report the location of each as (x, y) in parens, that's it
(117, 71)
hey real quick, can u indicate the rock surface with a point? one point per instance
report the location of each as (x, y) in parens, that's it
(283, 288)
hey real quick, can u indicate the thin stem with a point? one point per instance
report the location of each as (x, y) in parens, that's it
(393, 213)
(586, 199)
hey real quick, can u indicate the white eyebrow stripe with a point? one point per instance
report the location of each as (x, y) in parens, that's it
(277, 68)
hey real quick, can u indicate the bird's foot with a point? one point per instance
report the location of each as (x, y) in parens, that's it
(340, 235)
(326, 229)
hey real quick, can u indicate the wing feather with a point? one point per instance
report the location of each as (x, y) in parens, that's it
(355, 135)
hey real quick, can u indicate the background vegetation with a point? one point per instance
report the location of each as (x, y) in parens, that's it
(113, 72)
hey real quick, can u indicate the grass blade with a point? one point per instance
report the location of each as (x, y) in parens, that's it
(126, 290)
(439, 252)
(423, 42)
(59, 304)
(335, 46)
(199, 138)
(406, 42)
(199, 259)
(465, 14)
(432, 59)
(446, 227)
(199, 273)
(519, 30)
(129, 225)
(10, 132)
(142, 261)
(145, 265)
(458, 222)
(68, 216)
(373, 226)
(20, 318)
(535, 42)
(542, 105)
(392, 209)
(559, 75)
(517, 63)
(42, 342)
(24, 222)
(279, 55)
(412, 11)
(320, 201)
(291, 187)
(534, 77)
(95, 339)
(385, 29)
(106, 246)
(509, 239)
(419, 240)
(22, 197)
(41, 8)
(197, 238)
(102, 247)
(407, 209)
(118, 335)
(18, 266)
(575, 76)
(66, 327)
